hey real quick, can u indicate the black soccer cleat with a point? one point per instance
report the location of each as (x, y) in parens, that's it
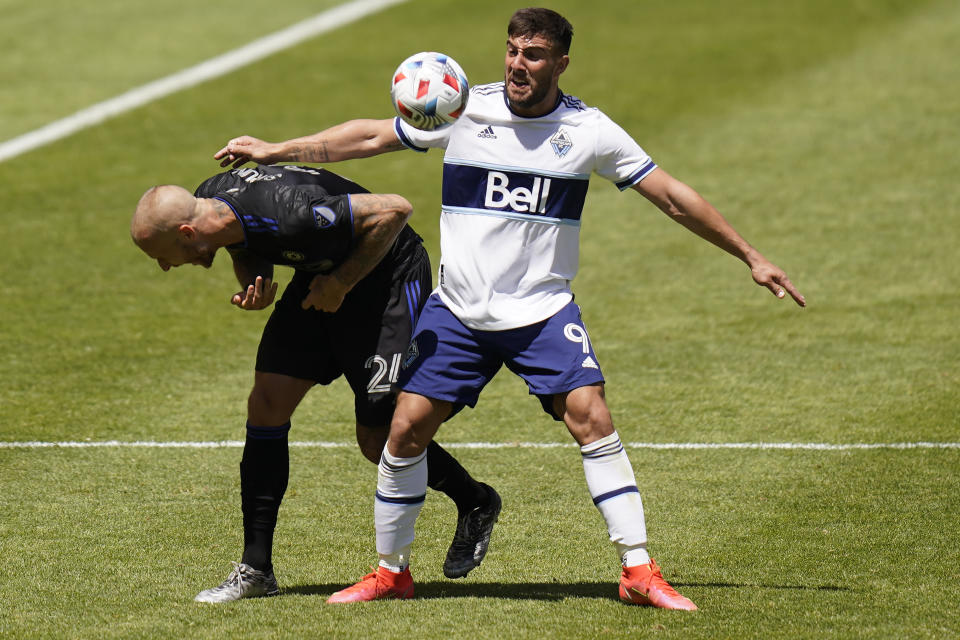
(472, 537)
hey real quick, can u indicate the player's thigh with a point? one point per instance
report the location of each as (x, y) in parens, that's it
(415, 422)
(293, 355)
(274, 398)
(448, 361)
(584, 410)
(554, 357)
(373, 328)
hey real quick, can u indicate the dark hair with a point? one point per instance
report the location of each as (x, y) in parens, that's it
(542, 22)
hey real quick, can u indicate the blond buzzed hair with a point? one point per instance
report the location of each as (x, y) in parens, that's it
(160, 211)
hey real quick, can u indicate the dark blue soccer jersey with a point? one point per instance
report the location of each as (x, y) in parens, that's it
(294, 216)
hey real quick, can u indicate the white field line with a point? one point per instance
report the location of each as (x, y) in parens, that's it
(232, 60)
(233, 444)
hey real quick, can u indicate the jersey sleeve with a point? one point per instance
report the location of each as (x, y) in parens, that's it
(320, 213)
(619, 158)
(420, 140)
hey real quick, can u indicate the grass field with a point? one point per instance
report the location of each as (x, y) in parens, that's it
(826, 132)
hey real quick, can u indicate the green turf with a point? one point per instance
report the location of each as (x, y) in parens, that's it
(61, 56)
(826, 132)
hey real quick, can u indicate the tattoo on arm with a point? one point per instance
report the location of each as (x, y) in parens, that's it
(315, 152)
(394, 145)
(378, 221)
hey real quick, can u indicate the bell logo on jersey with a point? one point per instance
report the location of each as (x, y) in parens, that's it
(324, 215)
(521, 199)
(293, 256)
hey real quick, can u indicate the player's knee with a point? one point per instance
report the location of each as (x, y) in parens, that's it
(587, 416)
(415, 421)
(371, 442)
(403, 440)
(264, 409)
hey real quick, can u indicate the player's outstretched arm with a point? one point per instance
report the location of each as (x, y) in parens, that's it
(347, 141)
(255, 275)
(377, 220)
(689, 208)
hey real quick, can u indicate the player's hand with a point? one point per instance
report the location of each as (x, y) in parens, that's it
(326, 294)
(258, 295)
(769, 275)
(244, 149)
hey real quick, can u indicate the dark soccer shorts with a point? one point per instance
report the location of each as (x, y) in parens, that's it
(365, 340)
(449, 361)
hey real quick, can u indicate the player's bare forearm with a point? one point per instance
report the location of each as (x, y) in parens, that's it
(247, 266)
(255, 276)
(686, 207)
(690, 209)
(347, 141)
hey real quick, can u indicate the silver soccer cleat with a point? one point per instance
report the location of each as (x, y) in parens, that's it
(243, 582)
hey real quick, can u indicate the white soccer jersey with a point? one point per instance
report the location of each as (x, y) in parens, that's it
(513, 194)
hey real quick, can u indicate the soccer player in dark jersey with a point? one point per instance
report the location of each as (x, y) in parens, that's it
(361, 276)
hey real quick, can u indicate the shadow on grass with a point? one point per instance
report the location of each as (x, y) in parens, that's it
(548, 591)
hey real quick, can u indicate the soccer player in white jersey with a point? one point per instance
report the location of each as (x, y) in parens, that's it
(515, 177)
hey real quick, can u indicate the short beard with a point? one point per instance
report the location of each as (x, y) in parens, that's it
(536, 96)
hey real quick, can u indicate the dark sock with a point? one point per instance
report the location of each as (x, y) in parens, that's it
(264, 471)
(446, 475)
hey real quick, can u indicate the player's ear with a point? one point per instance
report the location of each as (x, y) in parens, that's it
(562, 65)
(187, 232)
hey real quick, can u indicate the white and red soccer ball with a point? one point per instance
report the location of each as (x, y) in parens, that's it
(429, 90)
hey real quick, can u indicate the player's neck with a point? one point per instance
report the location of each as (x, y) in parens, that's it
(220, 223)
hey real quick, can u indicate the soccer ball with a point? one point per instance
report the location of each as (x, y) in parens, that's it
(429, 90)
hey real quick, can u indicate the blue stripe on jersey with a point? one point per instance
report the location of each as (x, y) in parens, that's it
(616, 492)
(259, 222)
(511, 216)
(514, 194)
(353, 229)
(264, 218)
(410, 290)
(637, 176)
(403, 137)
(487, 89)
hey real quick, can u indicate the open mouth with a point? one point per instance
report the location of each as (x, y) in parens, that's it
(518, 82)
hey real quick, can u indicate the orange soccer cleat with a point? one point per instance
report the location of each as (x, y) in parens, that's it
(644, 585)
(379, 585)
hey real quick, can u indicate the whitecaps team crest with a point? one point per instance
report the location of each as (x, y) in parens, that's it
(293, 256)
(561, 143)
(413, 352)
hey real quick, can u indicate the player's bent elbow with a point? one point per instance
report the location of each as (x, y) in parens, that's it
(405, 208)
(400, 206)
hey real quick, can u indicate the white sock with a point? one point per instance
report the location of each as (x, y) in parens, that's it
(613, 488)
(401, 490)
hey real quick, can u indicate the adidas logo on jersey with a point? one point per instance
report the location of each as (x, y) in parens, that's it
(487, 133)
(588, 363)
